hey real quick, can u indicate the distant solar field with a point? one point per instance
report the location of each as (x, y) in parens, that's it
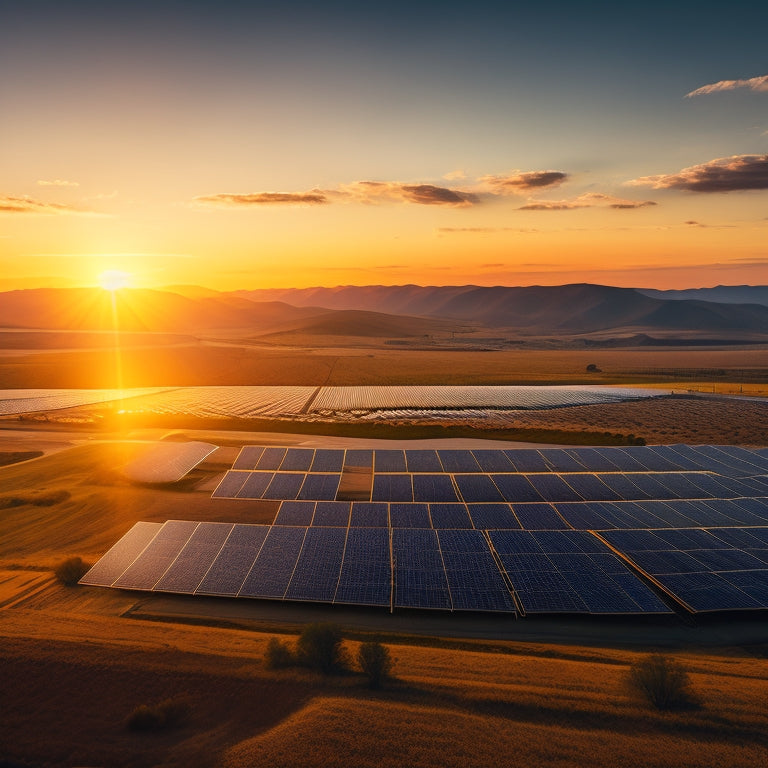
(636, 530)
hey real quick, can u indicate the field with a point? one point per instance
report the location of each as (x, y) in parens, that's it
(547, 695)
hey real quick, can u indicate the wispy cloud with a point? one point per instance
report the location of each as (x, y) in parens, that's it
(28, 205)
(518, 183)
(724, 174)
(699, 225)
(483, 230)
(753, 84)
(587, 200)
(399, 192)
(455, 175)
(57, 183)
(235, 200)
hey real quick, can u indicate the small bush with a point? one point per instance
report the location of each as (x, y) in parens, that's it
(278, 655)
(661, 682)
(320, 647)
(376, 662)
(71, 571)
(168, 714)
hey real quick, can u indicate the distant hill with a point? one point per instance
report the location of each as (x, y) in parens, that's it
(569, 309)
(723, 294)
(81, 309)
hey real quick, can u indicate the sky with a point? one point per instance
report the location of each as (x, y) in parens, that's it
(260, 145)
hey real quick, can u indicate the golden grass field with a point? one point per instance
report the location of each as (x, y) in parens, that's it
(76, 661)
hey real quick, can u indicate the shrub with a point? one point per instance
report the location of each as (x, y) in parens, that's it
(376, 662)
(320, 647)
(661, 682)
(278, 655)
(71, 571)
(170, 713)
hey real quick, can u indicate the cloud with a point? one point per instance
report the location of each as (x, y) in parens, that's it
(454, 175)
(587, 200)
(232, 200)
(699, 225)
(753, 84)
(395, 191)
(28, 205)
(57, 183)
(483, 230)
(724, 174)
(520, 183)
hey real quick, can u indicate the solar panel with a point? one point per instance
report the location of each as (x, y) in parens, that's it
(316, 575)
(271, 458)
(319, 487)
(487, 516)
(584, 515)
(248, 457)
(392, 487)
(752, 583)
(366, 572)
(708, 592)
(527, 460)
(516, 488)
(157, 556)
(362, 458)
(552, 488)
(327, 460)
(493, 461)
(591, 487)
(538, 516)
(112, 564)
(284, 485)
(419, 576)
(297, 460)
(369, 515)
(434, 488)
(295, 513)
(593, 459)
(559, 460)
(449, 516)
(271, 572)
(255, 485)
(196, 557)
(332, 513)
(459, 461)
(622, 459)
(409, 516)
(477, 488)
(389, 461)
(230, 485)
(228, 571)
(423, 461)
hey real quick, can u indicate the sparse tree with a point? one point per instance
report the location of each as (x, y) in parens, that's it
(320, 647)
(376, 662)
(662, 682)
(278, 655)
(71, 570)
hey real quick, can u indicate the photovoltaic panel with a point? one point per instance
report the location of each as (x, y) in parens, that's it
(527, 460)
(419, 575)
(316, 575)
(727, 560)
(584, 515)
(516, 488)
(434, 488)
(755, 511)
(664, 458)
(449, 516)
(752, 583)
(271, 458)
(559, 460)
(738, 466)
(423, 461)
(362, 458)
(590, 487)
(515, 542)
(690, 538)
(649, 485)
(328, 460)
(248, 457)
(319, 487)
(271, 572)
(708, 592)
(228, 571)
(538, 517)
(659, 562)
(752, 461)
(297, 460)
(332, 513)
(194, 560)
(622, 459)
(737, 537)
(284, 485)
(151, 564)
(371, 514)
(389, 461)
(552, 488)
(409, 516)
(487, 516)
(255, 485)
(542, 591)
(493, 461)
(295, 513)
(112, 564)
(623, 487)
(702, 512)
(230, 485)
(477, 488)
(392, 487)
(682, 486)
(474, 580)
(666, 515)
(459, 461)
(366, 571)
(593, 459)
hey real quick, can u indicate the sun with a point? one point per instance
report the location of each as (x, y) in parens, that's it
(114, 279)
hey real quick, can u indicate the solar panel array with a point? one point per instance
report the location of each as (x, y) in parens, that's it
(628, 530)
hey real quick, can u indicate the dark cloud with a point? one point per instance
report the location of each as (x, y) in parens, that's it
(395, 191)
(263, 198)
(725, 174)
(28, 205)
(753, 84)
(520, 183)
(627, 205)
(428, 194)
(587, 200)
